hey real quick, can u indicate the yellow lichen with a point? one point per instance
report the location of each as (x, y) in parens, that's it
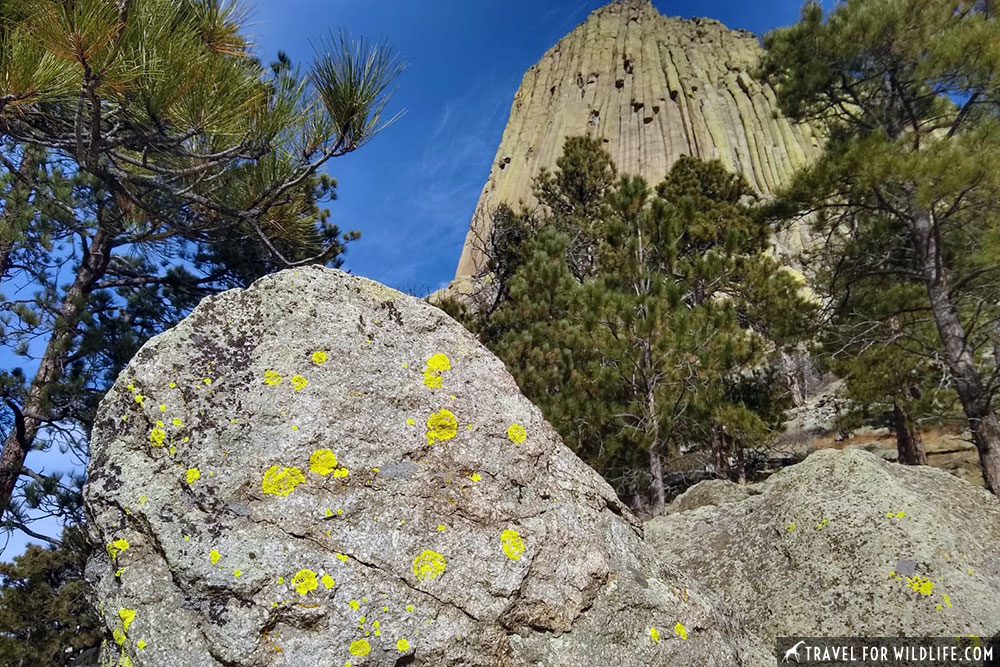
(512, 544)
(441, 426)
(116, 547)
(409, 608)
(354, 604)
(428, 565)
(341, 557)
(920, 584)
(475, 477)
(516, 433)
(119, 636)
(237, 573)
(214, 556)
(328, 581)
(299, 382)
(157, 437)
(280, 481)
(442, 527)
(654, 634)
(437, 364)
(305, 581)
(127, 616)
(360, 647)
(193, 474)
(272, 378)
(402, 645)
(319, 357)
(141, 644)
(322, 462)
(680, 630)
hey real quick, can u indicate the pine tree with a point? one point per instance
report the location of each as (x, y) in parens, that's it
(149, 159)
(908, 190)
(639, 319)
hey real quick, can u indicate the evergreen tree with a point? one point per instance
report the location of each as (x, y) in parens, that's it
(907, 193)
(149, 159)
(46, 619)
(638, 320)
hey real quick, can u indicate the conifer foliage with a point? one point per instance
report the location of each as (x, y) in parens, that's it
(640, 320)
(907, 193)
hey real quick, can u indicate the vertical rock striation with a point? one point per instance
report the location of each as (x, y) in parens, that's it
(654, 89)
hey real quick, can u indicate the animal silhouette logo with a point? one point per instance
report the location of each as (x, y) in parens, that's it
(793, 652)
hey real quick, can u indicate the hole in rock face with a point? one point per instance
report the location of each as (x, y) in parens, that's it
(627, 64)
(620, 83)
(673, 95)
(637, 106)
(647, 120)
(595, 117)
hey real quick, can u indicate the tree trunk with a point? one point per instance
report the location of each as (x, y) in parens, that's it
(658, 488)
(53, 363)
(972, 393)
(909, 444)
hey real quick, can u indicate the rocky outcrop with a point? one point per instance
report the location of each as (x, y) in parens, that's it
(319, 470)
(654, 89)
(843, 544)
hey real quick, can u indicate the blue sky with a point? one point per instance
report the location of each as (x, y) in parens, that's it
(412, 190)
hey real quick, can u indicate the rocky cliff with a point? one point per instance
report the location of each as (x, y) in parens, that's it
(653, 88)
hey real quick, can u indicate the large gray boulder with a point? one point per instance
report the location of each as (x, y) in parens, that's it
(319, 471)
(844, 544)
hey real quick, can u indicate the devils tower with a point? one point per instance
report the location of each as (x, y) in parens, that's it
(653, 89)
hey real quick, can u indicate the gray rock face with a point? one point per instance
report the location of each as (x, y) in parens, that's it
(653, 88)
(321, 471)
(845, 544)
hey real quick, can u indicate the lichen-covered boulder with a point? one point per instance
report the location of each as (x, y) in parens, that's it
(845, 544)
(320, 471)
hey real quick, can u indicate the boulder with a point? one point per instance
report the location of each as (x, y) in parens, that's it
(844, 544)
(319, 470)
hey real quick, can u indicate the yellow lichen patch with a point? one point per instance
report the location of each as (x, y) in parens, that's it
(341, 557)
(119, 636)
(899, 515)
(402, 645)
(322, 462)
(157, 437)
(442, 527)
(192, 475)
(516, 433)
(436, 365)
(441, 426)
(272, 378)
(512, 544)
(299, 382)
(280, 481)
(360, 647)
(920, 584)
(680, 630)
(214, 556)
(476, 477)
(328, 581)
(141, 644)
(340, 472)
(428, 565)
(237, 573)
(127, 616)
(822, 524)
(116, 547)
(791, 527)
(305, 581)
(354, 604)
(409, 608)
(654, 634)
(319, 357)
